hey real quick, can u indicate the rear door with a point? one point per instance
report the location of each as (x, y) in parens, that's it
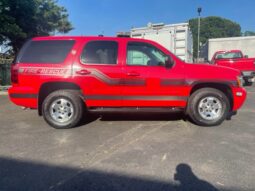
(98, 71)
(153, 84)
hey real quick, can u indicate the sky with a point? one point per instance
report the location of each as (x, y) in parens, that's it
(107, 17)
(94, 17)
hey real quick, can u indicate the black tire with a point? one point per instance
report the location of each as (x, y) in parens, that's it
(71, 96)
(193, 106)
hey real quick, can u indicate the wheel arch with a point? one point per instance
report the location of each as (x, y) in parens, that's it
(223, 87)
(50, 87)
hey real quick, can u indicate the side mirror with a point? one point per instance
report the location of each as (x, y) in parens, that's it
(246, 56)
(169, 62)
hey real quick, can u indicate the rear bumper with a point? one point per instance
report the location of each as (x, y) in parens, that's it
(25, 96)
(239, 97)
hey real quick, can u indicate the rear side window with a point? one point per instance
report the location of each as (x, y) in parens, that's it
(48, 51)
(100, 52)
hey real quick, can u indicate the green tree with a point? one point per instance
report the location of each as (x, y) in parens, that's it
(213, 27)
(24, 19)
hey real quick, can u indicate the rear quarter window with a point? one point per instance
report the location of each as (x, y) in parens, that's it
(48, 51)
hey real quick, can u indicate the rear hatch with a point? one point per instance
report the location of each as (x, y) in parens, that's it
(41, 57)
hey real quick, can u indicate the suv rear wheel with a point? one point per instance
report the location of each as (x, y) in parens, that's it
(208, 107)
(62, 109)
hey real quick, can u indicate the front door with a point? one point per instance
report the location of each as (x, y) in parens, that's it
(155, 84)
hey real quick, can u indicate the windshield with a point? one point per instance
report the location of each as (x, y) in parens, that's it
(228, 55)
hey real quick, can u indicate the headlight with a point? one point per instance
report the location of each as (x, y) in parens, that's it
(240, 81)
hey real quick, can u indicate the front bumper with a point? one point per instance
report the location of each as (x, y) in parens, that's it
(239, 97)
(248, 73)
(248, 76)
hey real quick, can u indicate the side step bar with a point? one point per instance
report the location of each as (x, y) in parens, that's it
(135, 109)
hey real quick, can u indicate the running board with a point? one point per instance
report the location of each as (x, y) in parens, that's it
(135, 109)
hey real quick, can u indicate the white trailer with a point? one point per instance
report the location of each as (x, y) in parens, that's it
(177, 38)
(245, 44)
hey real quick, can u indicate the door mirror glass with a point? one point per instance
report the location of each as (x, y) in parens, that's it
(246, 56)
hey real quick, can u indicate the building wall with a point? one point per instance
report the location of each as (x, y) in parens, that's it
(177, 38)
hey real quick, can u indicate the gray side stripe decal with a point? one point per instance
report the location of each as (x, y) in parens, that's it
(192, 82)
(227, 82)
(116, 81)
(23, 95)
(172, 82)
(132, 82)
(147, 98)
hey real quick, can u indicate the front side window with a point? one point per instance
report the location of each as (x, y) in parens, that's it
(100, 52)
(45, 51)
(144, 54)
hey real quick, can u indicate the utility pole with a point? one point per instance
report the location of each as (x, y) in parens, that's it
(199, 10)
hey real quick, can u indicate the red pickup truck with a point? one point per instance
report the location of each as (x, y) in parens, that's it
(64, 78)
(236, 59)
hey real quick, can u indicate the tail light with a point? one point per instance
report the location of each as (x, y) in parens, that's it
(14, 74)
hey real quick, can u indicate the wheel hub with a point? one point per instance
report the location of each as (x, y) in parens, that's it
(210, 108)
(61, 110)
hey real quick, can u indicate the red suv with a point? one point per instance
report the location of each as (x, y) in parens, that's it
(62, 77)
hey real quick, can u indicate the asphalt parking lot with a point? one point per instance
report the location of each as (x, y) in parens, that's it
(127, 152)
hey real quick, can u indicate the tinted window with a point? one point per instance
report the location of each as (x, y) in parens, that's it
(100, 52)
(145, 54)
(48, 51)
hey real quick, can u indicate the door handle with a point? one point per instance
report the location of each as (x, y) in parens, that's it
(83, 72)
(133, 74)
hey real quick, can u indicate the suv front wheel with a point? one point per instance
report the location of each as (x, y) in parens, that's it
(62, 109)
(208, 107)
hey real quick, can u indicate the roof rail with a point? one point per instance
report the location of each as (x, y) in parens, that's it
(123, 34)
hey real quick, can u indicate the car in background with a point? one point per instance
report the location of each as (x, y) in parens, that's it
(237, 60)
